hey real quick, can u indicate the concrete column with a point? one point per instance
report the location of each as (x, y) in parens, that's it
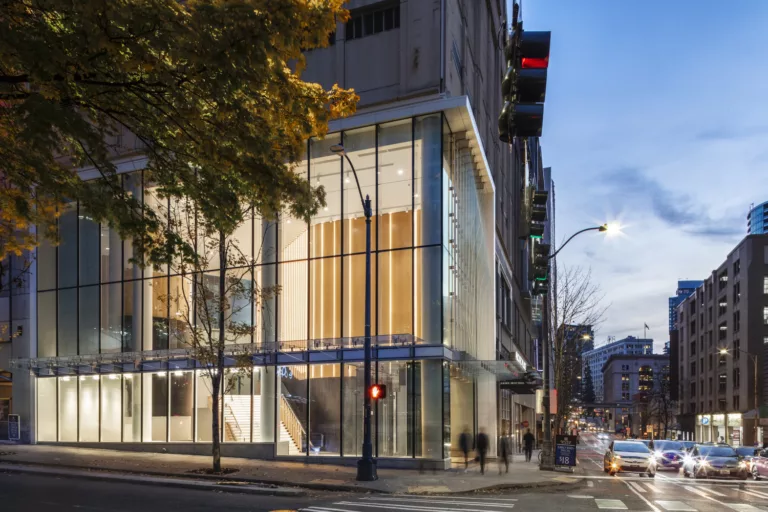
(269, 278)
(145, 319)
(431, 409)
(146, 405)
(267, 411)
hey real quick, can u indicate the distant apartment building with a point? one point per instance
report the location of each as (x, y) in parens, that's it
(684, 289)
(628, 382)
(757, 219)
(721, 329)
(596, 358)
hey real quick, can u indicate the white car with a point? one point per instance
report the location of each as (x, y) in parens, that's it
(629, 457)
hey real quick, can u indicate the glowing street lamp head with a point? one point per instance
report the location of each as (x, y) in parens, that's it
(723, 351)
(337, 149)
(610, 228)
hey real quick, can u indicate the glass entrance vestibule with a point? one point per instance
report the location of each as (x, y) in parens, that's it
(300, 409)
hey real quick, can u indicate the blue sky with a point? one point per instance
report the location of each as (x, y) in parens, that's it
(656, 115)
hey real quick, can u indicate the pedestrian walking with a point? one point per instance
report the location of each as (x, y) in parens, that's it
(464, 444)
(482, 449)
(528, 440)
(505, 451)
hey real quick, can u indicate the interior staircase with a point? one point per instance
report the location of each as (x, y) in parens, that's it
(237, 422)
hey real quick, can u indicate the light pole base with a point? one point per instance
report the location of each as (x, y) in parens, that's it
(547, 457)
(366, 470)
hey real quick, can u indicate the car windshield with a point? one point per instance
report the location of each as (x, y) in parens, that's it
(717, 451)
(630, 447)
(745, 451)
(667, 445)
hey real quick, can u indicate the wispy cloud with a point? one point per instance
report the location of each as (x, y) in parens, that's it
(676, 209)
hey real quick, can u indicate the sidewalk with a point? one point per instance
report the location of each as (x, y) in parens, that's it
(308, 476)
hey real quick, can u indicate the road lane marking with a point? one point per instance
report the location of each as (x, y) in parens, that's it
(441, 501)
(675, 505)
(451, 498)
(610, 504)
(590, 483)
(697, 491)
(651, 487)
(755, 493)
(391, 506)
(581, 496)
(711, 490)
(636, 486)
(741, 506)
(325, 509)
(654, 508)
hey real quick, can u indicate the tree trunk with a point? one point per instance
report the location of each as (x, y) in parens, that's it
(218, 390)
(216, 438)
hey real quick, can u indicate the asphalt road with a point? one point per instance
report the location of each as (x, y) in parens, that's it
(596, 491)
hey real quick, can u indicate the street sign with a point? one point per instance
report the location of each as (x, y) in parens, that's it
(565, 450)
(14, 427)
(525, 424)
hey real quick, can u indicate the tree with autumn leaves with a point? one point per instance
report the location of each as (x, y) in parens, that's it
(206, 93)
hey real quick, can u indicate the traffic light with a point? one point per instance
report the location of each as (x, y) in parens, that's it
(524, 85)
(538, 213)
(377, 391)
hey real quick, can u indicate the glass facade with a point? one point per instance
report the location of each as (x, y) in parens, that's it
(432, 258)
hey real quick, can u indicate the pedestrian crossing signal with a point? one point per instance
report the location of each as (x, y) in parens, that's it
(377, 391)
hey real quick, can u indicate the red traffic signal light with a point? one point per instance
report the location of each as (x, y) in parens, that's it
(377, 391)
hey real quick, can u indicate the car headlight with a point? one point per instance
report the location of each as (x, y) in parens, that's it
(704, 463)
(742, 465)
(658, 455)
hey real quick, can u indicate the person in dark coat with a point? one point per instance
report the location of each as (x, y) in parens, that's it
(528, 440)
(465, 440)
(505, 451)
(482, 449)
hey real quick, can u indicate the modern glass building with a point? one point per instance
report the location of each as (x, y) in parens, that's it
(111, 364)
(757, 219)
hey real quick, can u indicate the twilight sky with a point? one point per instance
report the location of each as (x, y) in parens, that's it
(657, 116)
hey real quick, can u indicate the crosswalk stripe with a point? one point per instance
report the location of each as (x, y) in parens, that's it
(695, 491)
(711, 490)
(758, 493)
(441, 501)
(610, 504)
(754, 493)
(741, 506)
(326, 509)
(392, 506)
(486, 500)
(636, 486)
(580, 497)
(651, 487)
(675, 505)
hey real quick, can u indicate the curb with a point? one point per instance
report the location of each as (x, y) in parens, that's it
(234, 486)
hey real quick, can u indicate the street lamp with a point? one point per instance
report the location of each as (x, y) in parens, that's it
(547, 459)
(366, 466)
(724, 352)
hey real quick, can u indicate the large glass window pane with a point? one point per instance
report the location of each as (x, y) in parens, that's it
(264, 241)
(89, 320)
(237, 406)
(462, 405)
(293, 281)
(46, 265)
(292, 236)
(427, 157)
(89, 408)
(449, 278)
(353, 386)
(428, 410)
(89, 249)
(395, 191)
(111, 414)
(360, 146)
(46, 409)
(46, 324)
(428, 294)
(68, 408)
(239, 299)
(132, 407)
(182, 397)
(395, 294)
(325, 409)
(111, 254)
(182, 311)
(68, 322)
(132, 183)
(182, 221)
(292, 408)
(447, 410)
(394, 412)
(159, 206)
(68, 246)
(111, 324)
(354, 297)
(204, 407)
(325, 302)
(242, 239)
(155, 406)
(132, 316)
(265, 307)
(325, 171)
(159, 311)
(264, 404)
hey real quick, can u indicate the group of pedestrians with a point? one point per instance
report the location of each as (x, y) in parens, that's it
(481, 443)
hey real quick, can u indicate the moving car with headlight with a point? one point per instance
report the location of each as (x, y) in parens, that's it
(759, 466)
(669, 454)
(748, 454)
(714, 461)
(629, 457)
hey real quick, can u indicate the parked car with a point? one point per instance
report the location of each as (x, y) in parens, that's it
(669, 454)
(759, 466)
(629, 456)
(714, 461)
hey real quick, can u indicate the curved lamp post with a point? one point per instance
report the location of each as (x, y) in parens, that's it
(366, 466)
(547, 457)
(753, 357)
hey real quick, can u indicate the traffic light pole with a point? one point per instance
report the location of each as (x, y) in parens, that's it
(547, 457)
